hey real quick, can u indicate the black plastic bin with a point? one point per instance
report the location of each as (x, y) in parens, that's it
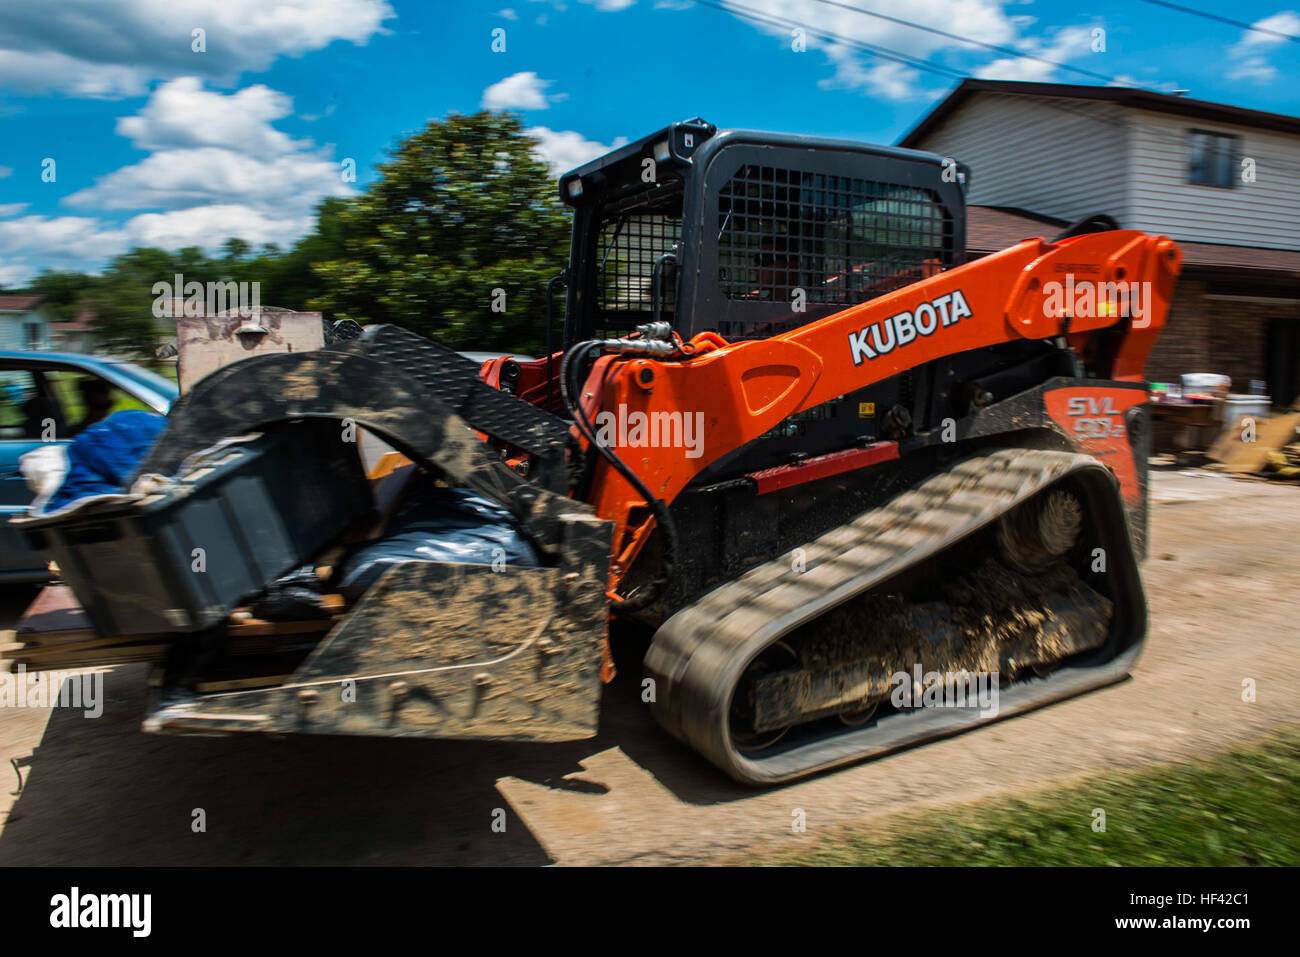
(257, 509)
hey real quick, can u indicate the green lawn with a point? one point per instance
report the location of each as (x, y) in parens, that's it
(1238, 808)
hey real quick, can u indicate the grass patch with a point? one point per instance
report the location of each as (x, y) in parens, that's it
(1238, 808)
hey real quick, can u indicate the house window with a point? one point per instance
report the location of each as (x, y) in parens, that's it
(1211, 158)
(32, 338)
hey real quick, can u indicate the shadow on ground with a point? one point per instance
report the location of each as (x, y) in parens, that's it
(101, 792)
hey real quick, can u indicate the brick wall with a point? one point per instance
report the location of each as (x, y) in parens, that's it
(1183, 345)
(1213, 335)
(1236, 341)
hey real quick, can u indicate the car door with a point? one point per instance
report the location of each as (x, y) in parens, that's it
(30, 416)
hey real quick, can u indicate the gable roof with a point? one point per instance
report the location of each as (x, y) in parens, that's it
(1122, 95)
(993, 228)
(12, 303)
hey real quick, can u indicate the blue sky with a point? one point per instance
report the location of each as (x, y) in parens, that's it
(156, 143)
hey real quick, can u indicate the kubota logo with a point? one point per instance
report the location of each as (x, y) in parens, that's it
(897, 331)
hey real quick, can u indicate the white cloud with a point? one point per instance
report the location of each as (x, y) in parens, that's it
(1246, 59)
(519, 91)
(218, 169)
(176, 179)
(60, 239)
(12, 209)
(840, 32)
(1125, 79)
(5, 171)
(507, 14)
(16, 275)
(828, 27)
(1253, 41)
(1069, 42)
(215, 148)
(563, 150)
(181, 114)
(31, 243)
(92, 48)
(210, 226)
(1252, 68)
(205, 195)
(47, 70)
(884, 78)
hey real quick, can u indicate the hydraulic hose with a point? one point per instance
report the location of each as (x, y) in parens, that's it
(660, 509)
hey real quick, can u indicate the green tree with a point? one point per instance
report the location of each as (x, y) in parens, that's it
(236, 249)
(462, 219)
(123, 297)
(289, 278)
(63, 291)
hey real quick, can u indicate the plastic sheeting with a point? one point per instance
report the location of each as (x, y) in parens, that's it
(102, 458)
(439, 525)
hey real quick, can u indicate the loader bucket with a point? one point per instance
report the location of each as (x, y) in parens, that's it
(443, 650)
(432, 648)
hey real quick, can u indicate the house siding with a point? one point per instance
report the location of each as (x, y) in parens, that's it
(12, 334)
(1265, 213)
(1070, 157)
(1066, 159)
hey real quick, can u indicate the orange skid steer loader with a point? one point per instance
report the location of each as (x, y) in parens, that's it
(839, 471)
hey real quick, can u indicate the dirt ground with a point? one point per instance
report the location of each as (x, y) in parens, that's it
(1223, 583)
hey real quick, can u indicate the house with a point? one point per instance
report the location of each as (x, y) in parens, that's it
(76, 334)
(24, 322)
(1221, 180)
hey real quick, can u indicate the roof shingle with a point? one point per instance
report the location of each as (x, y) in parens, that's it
(20, 302)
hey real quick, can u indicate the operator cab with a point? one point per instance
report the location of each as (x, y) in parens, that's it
(749, 234)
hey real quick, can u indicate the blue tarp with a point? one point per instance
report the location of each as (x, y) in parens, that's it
(439, 525)
(102, 458)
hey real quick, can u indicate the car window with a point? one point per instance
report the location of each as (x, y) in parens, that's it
(86, 399)
(147, 378)
(16, 388)
(23, 408)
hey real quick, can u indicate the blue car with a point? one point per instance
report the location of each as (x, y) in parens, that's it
(49, 397)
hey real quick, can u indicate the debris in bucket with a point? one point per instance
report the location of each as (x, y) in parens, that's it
(438, 524)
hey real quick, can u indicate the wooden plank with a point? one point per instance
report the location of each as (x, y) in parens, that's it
(255, 627)
(238, 627)
(84, 641)
(55, 633)
(36, 660)
(239, 684)
(1245, 457)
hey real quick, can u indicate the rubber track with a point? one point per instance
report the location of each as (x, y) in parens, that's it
(698, 656)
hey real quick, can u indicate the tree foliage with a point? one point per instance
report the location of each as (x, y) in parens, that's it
(464, 218)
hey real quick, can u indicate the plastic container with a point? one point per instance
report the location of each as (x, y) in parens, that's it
(1210, 382)
(1236, 406)
(180, 559)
